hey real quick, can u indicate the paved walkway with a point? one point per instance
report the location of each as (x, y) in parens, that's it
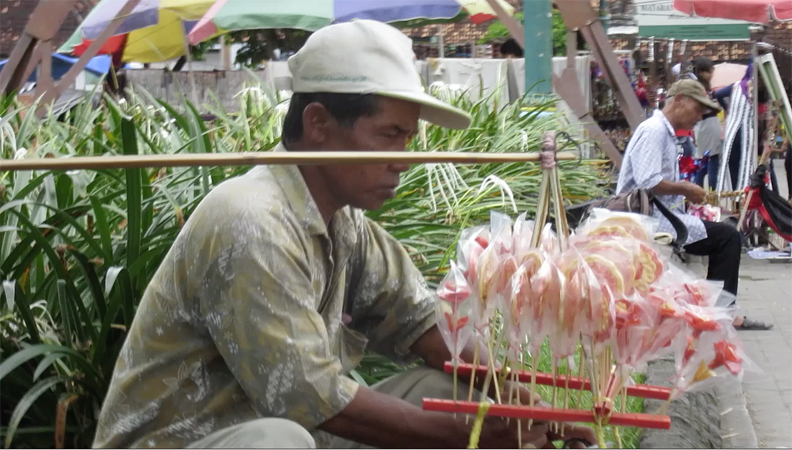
(766, 294)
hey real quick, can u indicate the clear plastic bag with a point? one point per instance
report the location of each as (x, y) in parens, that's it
(711, 359)
(472, 243)
(604, 223)
(454, 310)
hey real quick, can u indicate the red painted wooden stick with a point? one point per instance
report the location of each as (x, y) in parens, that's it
(546, 379)
(639, 420)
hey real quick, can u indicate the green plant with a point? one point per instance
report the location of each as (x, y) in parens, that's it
(497, 30)
(77, 249)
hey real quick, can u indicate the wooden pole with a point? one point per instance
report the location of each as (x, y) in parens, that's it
(268, 157)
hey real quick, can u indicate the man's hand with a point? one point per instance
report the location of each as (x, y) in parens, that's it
(497, 432)
(570, 431)
(693, 193)
(433, 350)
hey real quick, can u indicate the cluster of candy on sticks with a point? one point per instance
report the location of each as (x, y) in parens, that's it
(603, 291)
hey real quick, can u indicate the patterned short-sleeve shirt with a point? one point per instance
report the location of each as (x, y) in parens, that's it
(261, 310)
(651, 157)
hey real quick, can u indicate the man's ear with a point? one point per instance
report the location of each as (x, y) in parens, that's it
(316, 122)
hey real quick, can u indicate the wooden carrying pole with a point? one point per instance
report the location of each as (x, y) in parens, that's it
(259, 158)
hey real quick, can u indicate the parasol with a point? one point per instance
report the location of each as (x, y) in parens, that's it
(232, 15)
(155, 31)
(727, 74)
(761, 11)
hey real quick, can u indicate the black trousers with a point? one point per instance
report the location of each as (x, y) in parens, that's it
(723, 245)
(788, 168)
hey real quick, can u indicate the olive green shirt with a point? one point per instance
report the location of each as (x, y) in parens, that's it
(243, 319)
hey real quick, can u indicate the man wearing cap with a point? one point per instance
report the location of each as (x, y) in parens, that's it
(650, 162)
(277, 284)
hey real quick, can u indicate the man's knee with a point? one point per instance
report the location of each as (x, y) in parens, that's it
(732, 236)
(260, 433)
(421, 382)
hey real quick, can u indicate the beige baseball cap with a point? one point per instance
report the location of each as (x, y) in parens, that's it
(694, 90)
(368, 57)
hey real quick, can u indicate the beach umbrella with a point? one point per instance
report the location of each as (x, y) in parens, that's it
(155, 30)
(233, 15)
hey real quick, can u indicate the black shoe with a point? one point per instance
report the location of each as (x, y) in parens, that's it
(749, 324)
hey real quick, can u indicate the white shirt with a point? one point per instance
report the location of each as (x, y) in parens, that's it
(651, 157)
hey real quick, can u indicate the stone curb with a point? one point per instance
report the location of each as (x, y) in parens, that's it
(736, 425)
(712, 418)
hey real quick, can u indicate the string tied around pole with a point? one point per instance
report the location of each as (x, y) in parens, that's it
(548, 154)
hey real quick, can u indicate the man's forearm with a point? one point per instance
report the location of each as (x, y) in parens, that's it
(666, 187)
(383, 421)
(435, 354)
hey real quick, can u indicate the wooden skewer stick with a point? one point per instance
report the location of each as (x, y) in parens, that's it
(267, 157)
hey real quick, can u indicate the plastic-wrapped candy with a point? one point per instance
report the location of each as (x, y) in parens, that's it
(574, 307)
(520, 320)
(454, 310)
(715, 356)
(521, 237)
(604, 223)
(545, 302)
(622, 262)
(649, 267)
(549, 241)
(472, 243)
(491, 284)
(634, 319)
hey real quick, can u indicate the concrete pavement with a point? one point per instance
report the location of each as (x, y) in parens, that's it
(766, 294)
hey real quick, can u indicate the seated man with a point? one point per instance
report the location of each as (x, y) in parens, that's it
(278, 284)
(650, 162)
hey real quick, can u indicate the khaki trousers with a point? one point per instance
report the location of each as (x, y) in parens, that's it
(411, 386)
(259, 433)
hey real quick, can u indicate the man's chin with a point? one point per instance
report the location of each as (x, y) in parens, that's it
(371, 204)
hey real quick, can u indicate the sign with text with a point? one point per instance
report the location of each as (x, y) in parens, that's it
(659, 19)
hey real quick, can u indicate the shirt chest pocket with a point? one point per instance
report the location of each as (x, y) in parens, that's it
(351, 347)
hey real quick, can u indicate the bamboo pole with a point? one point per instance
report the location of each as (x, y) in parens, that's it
(268, 157)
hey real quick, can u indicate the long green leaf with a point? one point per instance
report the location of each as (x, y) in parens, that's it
(24, 404)
(103, 227)
(34, 351)
(92, 280)
(45, 364)
(133, 190)
(22, 303)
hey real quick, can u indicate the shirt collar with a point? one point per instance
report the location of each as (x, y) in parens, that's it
(302, 203)
(297, 194)
(659, 114)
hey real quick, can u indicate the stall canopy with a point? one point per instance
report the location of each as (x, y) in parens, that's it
(61, 64)
(761, 11)
(660, 19)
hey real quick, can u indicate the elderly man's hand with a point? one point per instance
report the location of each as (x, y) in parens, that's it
(694, 193)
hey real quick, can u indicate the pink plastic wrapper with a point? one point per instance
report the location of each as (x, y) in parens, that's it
(544, 303)
(492, 280)
(705, 212)
(472, 243)
(603, 223)
(708, 360)
(634, 322)
(686, 288)
(521, 237)
(454, 309)
(574, 313)
(549, 241)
